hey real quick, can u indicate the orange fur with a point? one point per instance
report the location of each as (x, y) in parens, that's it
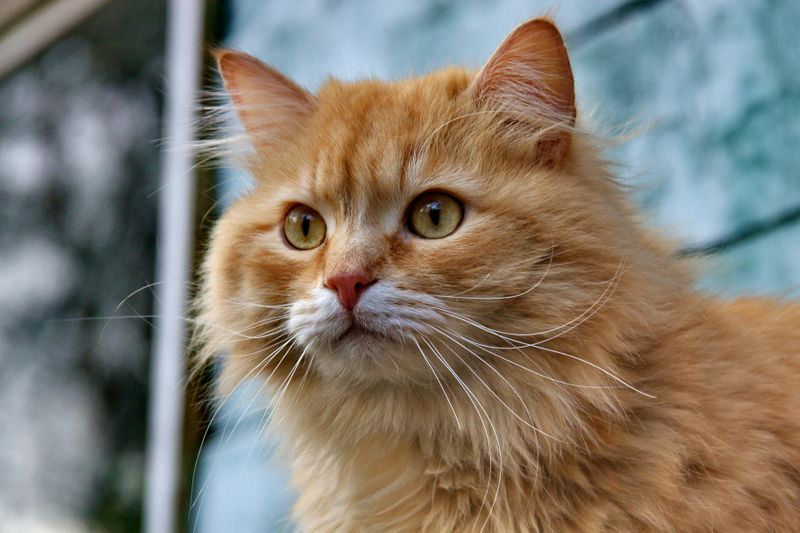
(564, 374)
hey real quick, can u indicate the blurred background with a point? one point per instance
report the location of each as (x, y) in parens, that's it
(711, 86)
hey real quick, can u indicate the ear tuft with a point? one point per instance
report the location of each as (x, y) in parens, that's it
(270, 106)
(529, 77)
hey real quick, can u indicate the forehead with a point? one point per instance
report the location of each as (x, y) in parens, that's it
(373, 143)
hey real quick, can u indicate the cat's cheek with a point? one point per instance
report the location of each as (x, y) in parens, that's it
(427, 262)
(272, 271)
(317, 319)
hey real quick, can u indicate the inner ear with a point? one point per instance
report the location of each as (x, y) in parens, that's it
(270, 106)
(528, 81)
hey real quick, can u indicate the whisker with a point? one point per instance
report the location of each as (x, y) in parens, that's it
(601, 300)
(266, 417)
(485, 348)
(436, 376)
(209, 426)
(514, 413)
(285, 385)
(508, 297)
(261, 365)
(589, 311)
(269, 411)
(476, 404)
(261, 306)
(601, 369)
(194, 321)
(539, 346)
(528, 422)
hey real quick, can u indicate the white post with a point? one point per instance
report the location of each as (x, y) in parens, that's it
(175, 229)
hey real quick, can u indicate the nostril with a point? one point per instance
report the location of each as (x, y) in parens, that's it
(363, 285)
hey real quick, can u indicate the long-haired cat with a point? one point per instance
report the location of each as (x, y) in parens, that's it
(466, 328)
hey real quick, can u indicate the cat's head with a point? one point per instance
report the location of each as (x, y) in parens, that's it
(403, 231)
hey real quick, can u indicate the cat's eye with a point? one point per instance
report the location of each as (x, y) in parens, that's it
(434, 215)
(304, 228)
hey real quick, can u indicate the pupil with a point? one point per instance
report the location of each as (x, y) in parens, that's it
(306, 224)
(435, 212)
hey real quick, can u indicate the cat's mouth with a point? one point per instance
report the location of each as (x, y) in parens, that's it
(354, 331)
(358, 330)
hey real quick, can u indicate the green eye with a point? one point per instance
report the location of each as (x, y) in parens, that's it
(304, 228)
(434, 215)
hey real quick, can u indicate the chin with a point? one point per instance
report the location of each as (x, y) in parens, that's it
(364, 357)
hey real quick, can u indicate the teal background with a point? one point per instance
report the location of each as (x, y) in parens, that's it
(707, 90)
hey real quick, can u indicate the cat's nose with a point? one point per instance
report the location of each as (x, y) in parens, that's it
(349, 285)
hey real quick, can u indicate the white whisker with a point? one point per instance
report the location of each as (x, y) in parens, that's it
(508, 297)
(436, 376)
(479, 408)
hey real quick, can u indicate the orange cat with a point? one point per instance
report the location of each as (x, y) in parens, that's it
(465, 327)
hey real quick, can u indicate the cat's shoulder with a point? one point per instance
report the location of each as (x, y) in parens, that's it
(769, 326)
(765, 311)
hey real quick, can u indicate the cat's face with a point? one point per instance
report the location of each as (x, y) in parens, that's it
(395, 225)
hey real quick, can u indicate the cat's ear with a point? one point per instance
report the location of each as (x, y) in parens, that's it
(270, 106)
(529, 80)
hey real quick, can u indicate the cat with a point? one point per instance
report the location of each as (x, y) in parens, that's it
(465, 326)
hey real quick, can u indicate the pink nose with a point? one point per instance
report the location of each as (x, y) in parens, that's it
(349, 286)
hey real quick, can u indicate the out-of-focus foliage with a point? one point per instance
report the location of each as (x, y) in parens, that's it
(78, 184)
